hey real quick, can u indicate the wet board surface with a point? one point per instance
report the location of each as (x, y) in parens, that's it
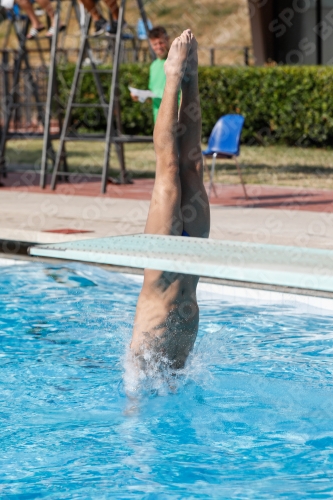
(306, 268)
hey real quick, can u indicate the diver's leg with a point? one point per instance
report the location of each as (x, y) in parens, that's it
(194, 202)
(164, 212)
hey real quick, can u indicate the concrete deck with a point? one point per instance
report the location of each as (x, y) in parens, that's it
(314, 200)
(280, 216)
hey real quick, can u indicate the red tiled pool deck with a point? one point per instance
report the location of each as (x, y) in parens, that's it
(260, 196)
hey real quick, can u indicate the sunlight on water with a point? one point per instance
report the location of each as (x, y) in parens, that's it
(250, 416)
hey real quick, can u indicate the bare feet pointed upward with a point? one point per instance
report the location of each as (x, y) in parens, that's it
(175, 65)
(191, 71)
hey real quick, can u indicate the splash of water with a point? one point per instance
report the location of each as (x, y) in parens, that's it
(153, 375)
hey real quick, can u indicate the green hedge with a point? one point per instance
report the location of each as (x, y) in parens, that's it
(283, 104)
(136, 117)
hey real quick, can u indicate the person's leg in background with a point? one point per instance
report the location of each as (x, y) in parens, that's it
(47, 7)
(101, 24)
(36, 25)
(114, 9)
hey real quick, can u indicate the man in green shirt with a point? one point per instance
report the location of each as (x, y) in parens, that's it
(159, 42)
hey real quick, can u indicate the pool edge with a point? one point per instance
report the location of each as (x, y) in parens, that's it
(217, 281)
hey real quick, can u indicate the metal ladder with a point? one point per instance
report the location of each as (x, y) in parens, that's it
(13, 103)
(110, 109)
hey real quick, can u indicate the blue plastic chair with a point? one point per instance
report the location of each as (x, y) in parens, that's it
(224, 142)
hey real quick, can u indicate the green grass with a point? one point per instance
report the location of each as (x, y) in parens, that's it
(222, 10)
(164, 10)
(273, 165)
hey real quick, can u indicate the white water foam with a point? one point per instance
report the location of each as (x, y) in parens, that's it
(158, 378)
(13, 262)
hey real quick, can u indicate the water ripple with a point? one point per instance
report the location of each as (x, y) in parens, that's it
(249, 417)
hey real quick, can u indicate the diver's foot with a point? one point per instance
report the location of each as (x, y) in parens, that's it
(175, 65)
(191, 70)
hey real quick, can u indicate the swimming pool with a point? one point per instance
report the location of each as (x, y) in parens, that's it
(250, 416)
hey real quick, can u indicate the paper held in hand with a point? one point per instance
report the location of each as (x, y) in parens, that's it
(142, 95)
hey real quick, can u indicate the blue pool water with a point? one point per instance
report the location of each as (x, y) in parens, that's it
(250, 417)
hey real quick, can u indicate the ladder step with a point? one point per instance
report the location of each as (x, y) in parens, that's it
(77, 174)
(103, 71)
(31, 135)
(106, 35)
(92, 137)
(86, 105)
(122, 139)
(37, 39)
(111, 36)
(26, 105)
(115, 139)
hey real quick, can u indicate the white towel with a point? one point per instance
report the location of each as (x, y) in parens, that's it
(7, 4)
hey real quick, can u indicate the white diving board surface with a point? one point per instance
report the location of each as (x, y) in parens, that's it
(296, 267)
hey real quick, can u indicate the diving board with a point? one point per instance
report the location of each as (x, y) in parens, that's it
(295, 267)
